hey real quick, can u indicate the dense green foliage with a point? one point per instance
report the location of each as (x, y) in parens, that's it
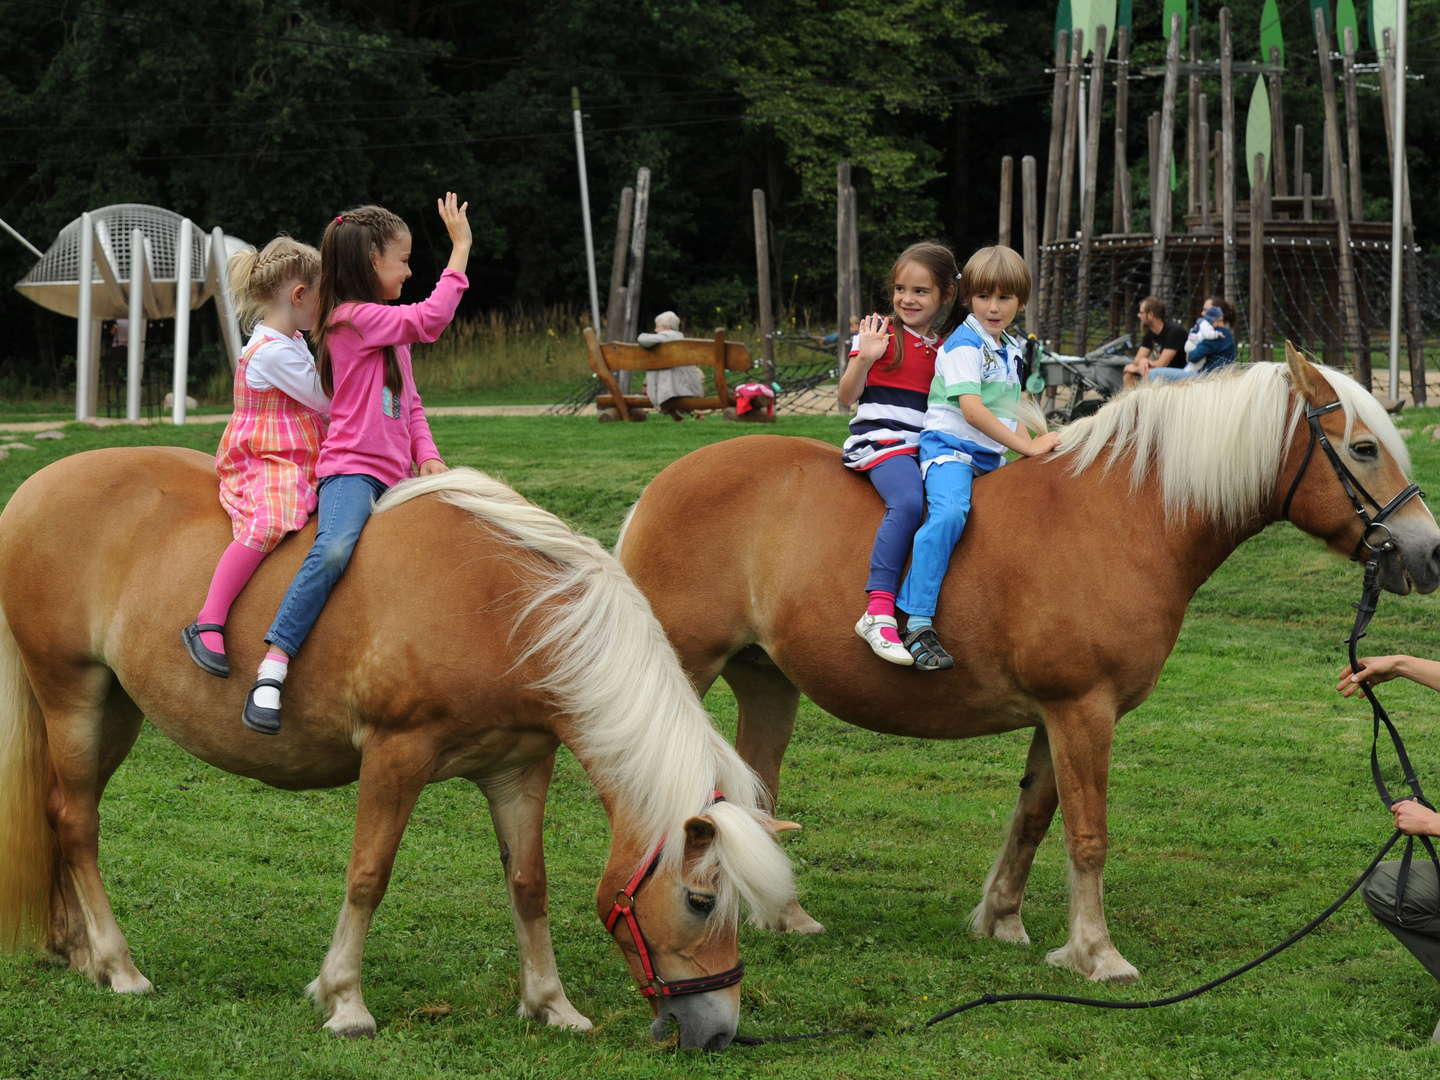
(1240, 806)
(272, 115)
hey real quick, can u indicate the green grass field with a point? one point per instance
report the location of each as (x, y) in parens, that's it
(1240, 800)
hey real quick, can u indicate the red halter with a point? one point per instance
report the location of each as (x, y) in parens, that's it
(654, 985)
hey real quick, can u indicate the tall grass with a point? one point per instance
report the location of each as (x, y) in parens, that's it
(505, 353)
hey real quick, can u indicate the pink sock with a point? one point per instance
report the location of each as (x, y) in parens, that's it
(236, 567)
(883, 603)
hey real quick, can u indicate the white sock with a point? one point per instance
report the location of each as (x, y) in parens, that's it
(268, 697)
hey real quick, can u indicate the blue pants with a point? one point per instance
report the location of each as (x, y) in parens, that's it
(947, 506)
(1171, 374)
(345, 505)
(897, 479)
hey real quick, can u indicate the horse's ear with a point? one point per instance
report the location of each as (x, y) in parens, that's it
(699, 835)
(777, 826)
(1307, 382)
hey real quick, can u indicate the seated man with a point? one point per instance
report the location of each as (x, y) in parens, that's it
(1162, 345)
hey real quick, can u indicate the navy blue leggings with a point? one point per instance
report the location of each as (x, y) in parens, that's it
(897, 479)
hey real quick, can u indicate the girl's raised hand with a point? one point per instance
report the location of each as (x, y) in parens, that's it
(452, 213)
(874, 337)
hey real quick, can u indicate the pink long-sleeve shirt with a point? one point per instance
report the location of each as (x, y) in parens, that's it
(371, 432)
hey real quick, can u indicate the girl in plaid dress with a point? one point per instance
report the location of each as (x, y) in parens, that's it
(267, 456)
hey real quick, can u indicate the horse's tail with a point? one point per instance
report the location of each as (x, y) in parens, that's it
(27, 843)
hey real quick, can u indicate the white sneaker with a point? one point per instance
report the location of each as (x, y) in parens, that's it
(869, 628)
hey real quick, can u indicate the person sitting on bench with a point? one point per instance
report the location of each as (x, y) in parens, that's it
(665, 388)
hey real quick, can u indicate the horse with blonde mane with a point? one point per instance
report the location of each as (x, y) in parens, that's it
(1140, 504)
(472, 634)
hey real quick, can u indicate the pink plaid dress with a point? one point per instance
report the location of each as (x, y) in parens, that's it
(266, 461)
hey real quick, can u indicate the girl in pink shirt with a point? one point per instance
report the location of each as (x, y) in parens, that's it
(378, 432)
(266, 461)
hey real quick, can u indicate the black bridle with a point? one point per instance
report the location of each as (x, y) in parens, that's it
(1353, 489)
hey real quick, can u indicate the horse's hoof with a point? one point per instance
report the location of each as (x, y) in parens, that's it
(556, 1014)
(796, 920)
(352, 1031)
(1008, 928)
(131, 983)
(1109, 966)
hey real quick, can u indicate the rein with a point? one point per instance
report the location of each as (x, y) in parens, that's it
(623, 909)
(1364, 612)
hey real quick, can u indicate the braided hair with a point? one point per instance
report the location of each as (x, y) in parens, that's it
(347, 275)
(257, 276)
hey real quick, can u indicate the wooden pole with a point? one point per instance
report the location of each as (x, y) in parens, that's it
(1192, 126)
(1307, 196)
(1280, 175)
(1227, 156)
(1160, 198)
(762, 282)
(615, 305)
(1352, 128)
(1028, 224)
(1349, 299)
(1204, 163)
(1258, 200)
(1414, 330)
(1058, 104)
(1087, 190)
(1068, 147)
(1120, 212)
(852, 218)
(637, 254)
(1299, 157)
(1007, 198)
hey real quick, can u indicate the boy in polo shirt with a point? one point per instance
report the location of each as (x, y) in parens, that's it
(969, 424)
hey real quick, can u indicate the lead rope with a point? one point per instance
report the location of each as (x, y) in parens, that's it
(1364, 612)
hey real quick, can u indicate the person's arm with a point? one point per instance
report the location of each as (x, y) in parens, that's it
(1165, 357)
(987, 423)
(1209, 347)
(871, 343)
(422, 443)
(1379, 669)
(1412, 819)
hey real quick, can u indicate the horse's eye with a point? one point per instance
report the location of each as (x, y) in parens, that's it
(1366, 450)
(700, 903)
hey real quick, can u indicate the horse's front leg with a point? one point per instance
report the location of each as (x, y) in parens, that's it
(1080, 735)
(998, 913)
(517, 807)
(392, 773)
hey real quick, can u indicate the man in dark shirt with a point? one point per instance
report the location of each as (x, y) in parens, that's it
(1162, 346)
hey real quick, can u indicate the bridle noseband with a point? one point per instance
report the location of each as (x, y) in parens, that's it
(654, 985)
(1353, 489)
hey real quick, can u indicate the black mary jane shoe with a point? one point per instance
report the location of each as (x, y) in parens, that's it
(930, 655)
(206, 659)
(258, 718)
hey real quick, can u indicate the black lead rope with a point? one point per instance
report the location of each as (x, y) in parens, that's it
(1364, 612)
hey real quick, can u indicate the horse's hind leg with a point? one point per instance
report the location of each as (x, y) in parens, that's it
(1081, 733)
(517, 807)
(393, 771)
(998, 913)
(90, 726)
(766, 702)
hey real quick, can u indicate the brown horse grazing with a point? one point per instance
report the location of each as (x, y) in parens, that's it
(759, 583)
(471, 635)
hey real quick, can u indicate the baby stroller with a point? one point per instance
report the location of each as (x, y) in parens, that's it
(1098, 372)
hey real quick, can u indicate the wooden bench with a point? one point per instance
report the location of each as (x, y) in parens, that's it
(718, 355)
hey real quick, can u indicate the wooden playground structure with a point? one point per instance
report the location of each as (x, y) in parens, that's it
(1290, 257)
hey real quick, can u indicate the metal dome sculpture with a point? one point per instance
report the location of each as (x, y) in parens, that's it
(136, 256)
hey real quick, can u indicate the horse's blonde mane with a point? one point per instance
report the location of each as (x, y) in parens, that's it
(643, 733)
(1215, 443)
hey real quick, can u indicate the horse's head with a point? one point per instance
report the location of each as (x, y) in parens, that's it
(1345, 481)
(675, 917)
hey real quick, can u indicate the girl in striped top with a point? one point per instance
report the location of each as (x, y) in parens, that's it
(892, 362)
(266, 461)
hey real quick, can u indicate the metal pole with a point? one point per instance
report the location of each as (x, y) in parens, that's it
(33, 249)
(184, 260)
(585, 211)
(1397, 199)
(85, 329)
(135, 352)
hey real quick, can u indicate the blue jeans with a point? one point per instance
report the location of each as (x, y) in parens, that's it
(1171, 374)
(345, 505)
(897, 479)
(947, 507)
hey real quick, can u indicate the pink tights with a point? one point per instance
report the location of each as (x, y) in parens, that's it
(234, 569)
